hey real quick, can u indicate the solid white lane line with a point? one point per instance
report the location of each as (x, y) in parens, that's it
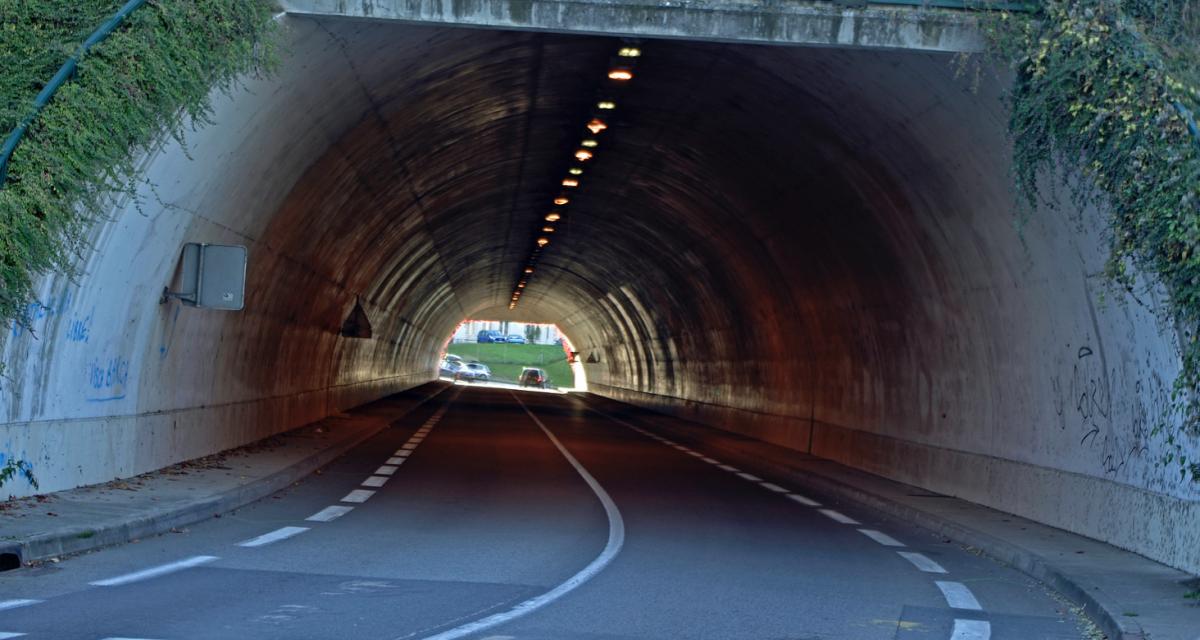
(616, 538)
(881, 537)
(696, 454)
(958, 596)
(838, 516)
(329, 514)
(971, 630)
(13, 604)
(409, 446)
(5, 635)
(154, 572)
(771, 486)
(375, 481)
(728, 468)
(125, 639)
(275, 536)
(358, 495)
(808, 502)
(386, 470)
(922, 562)
(711, 461)
(403, 453)
(395, 461)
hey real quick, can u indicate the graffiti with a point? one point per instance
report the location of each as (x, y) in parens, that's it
(106, 379)
(37, 311)
(1110, 417)
(80, 329)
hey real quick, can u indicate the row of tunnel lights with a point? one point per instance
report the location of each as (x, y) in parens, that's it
(620, 72)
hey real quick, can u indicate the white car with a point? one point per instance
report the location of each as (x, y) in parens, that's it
(473, 371)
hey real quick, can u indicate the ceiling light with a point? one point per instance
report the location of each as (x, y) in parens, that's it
(596, 125)
(520, 285)
(570, 183)
(606, 105)
(629, 52)
(528, 269)
(548, 229)
(543, 241)
(552, 216)
(575, 171)
(620, 75)
(561, 200)
(591, 144)
(583, 155)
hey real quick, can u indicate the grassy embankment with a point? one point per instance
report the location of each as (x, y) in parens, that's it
(507, 360)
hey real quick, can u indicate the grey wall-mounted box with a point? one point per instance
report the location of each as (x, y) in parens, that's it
(212, 276)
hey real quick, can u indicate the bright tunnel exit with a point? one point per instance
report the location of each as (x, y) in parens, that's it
(524, 355)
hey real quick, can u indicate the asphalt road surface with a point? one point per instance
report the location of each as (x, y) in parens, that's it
(496, 514)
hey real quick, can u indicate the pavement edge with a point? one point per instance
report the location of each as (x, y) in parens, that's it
(73, 540)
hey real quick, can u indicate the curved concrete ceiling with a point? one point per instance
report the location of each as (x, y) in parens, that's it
(812, 246)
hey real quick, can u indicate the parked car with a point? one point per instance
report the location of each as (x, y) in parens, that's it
(473, 371)
(534, 377)
(516, 338)
(450, 364)
(489, 335)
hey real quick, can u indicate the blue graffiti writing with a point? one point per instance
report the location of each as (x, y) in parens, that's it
(106, 378)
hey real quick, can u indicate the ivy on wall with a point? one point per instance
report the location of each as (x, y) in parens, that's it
(149, 78)
(1103, 90)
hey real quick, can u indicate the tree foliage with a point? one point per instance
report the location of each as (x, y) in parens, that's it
(1103, 90)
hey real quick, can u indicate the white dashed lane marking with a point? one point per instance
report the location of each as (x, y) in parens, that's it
(958, 596)
(770, 486)
(881, 537)
(838, 516)
(725, 467)
(403, 453)
(971, 630)
(396, 460)
(711, 461)
(386, 470)
(373, 481)
(409, 446)
(749, 476)
(921, 562)
(358, 495)
(13, 604)
(808, 502)
(274, 536)
(329, 514)
(154, 572)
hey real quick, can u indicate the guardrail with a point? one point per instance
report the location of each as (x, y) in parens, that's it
(65, 72)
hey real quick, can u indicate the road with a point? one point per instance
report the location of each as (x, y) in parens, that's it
(496, 514)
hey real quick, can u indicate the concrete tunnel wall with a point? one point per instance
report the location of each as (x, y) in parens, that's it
(812, 246)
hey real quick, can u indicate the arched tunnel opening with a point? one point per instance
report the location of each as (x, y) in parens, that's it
(816, 248)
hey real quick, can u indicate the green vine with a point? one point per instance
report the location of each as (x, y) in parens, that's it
(12, 468)
(149, 78)
(1102, 92)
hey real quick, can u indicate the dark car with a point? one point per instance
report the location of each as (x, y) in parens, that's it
(489, 335)
(473, 371)
(534, 377)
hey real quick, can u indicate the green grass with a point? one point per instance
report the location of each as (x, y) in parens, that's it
(507, 360)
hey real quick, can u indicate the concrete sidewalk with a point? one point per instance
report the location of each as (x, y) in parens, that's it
(1129, 597)
(48, 526)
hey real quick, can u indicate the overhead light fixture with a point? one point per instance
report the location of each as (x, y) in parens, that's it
(561, 200)
(629, 52)
(620, 74)
(575, 171)
(568, 182)
(606, 105)
(591, 144)
(543, 241)
(548, 229)
(596, 125)
(583, 155)
(520, 285)
(528, 269)
(552, 216)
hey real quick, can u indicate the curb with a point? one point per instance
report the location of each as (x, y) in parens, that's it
(77, 540)
(1104, 612)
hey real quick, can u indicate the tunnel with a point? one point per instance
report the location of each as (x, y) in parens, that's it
(817, 247)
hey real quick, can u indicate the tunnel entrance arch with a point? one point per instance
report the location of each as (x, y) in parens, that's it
(509, 347)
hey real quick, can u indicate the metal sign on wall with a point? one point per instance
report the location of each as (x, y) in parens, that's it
(212, 276)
